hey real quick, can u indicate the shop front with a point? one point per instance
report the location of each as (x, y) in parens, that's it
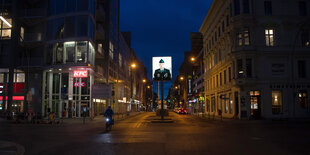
(18, 96)
(67, 92)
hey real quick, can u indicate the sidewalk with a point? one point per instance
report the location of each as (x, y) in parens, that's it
(97, 119)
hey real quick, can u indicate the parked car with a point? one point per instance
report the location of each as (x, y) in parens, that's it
(182, 111)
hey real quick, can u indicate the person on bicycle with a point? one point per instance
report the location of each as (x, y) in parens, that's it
(109, 113)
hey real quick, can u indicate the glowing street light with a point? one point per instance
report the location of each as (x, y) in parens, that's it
(193, 59)
(133, 65)
(143, 80)
(181, 78)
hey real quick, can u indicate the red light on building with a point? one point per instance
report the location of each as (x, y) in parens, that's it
(77, 84)
(80, 73)
(15, 98)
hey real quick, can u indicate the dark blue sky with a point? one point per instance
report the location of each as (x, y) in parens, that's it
(162, 28)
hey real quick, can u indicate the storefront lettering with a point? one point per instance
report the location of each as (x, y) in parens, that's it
(77, 84)
(80, 73)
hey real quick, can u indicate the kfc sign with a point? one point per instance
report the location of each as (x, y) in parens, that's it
(78, 84)
(80, 73)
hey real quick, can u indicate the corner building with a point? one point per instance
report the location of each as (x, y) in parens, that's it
(257, 59)
(55, 50)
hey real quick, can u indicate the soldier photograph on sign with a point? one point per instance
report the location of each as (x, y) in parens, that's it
(164, 70)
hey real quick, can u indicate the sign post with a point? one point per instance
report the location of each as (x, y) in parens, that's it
(162, 71)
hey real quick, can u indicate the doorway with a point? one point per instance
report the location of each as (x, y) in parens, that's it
(255, 104)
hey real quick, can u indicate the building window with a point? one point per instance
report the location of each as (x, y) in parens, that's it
(268, 8)
(303, 99)
(100, 49)
(229, 74)
(223, 27)
(246, 35)
(225, 77)
(215, 36)
(230, 104)
(276, 102)
(305, 38)
(240, 68)
(5, 27)
(302, 69)
(248, 67)
(227, 20)
(246, 6)
(81, 53)
(221, 79)
(237, 7)
(111, 50)
(213, 104)
(243, 38)
(239, 38)
(302, 8)
(269, 37)
(120, 59)
(22, 34)
(219, 31)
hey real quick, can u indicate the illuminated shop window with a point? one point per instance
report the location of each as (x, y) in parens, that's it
(5, 27)
(276, 102)
(303, 97)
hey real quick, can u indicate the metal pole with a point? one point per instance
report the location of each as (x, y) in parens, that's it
(152, 97)
(162, 100)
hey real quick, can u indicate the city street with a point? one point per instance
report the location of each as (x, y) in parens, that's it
(138, 135)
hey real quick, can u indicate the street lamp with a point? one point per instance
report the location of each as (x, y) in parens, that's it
(193, 59)
(181, 78)
(132, 67)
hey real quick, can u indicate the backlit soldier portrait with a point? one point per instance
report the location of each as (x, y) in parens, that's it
(162, 73)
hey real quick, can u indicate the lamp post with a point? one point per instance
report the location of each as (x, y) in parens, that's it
(144, 91)
(132, 67)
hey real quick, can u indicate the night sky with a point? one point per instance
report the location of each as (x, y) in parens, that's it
(162, 28)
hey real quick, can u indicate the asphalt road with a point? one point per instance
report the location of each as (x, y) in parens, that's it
(137, 135)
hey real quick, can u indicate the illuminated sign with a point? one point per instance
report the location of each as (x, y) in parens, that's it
(162, 68)
(80, 73)
(78, 84)
(15, 98)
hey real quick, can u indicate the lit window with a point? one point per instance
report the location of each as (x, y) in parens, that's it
(100, 50)
(111, 50)
(6, 26)
(276, 102)
(302, 97)
(246, 37)
(269, 37)
(239, 36)
(120, 59)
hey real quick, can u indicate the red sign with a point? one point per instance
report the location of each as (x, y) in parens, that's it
(80, 73)
(17, 88)
(77, 84)
(15, 98)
